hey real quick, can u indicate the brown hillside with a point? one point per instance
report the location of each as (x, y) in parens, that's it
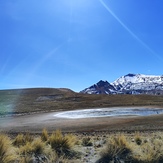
(32, 100)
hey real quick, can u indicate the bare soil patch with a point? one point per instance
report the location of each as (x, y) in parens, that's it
(36, 122)
(35, 107)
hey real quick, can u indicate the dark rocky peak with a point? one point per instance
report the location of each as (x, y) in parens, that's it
(102, 87)
(102, 83)
(130, 75)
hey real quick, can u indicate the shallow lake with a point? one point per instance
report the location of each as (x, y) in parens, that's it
(109, 112)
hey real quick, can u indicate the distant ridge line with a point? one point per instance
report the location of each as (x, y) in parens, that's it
(129, 84)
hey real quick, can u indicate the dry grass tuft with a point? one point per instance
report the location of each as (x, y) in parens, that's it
(87, 141)
(138, 139)
(26, 159)
(28, 138)
(38, 146)
(117, 148)
(21, 139)
(37, 150)
(62, 144)
(150, 152)
(7, 151)
(122, 149)
(44, 135)
(25, 150)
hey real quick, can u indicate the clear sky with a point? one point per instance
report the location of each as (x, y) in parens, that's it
(75, 43)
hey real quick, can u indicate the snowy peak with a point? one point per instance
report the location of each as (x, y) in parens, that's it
(129, 84)
(137, 81)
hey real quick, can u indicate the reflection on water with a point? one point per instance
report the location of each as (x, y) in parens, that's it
(109, 112)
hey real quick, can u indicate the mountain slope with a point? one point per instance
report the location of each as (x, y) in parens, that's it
(129, 84)
(102, 87)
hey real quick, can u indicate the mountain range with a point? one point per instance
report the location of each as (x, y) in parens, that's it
(129, 84)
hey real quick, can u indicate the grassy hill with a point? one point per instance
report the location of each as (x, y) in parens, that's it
(23, 101)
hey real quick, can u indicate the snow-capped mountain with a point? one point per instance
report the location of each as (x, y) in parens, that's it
(129, 84)
(138, 82)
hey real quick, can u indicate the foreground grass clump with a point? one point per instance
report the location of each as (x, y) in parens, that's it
(36, 151)
(23, 139)
(7, 151)
(117, 149)
(151, 150)
(87, 141)
(138, 139)
(62, 145)
(44, 135)
(141, 149)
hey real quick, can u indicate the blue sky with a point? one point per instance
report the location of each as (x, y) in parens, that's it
(75, 43)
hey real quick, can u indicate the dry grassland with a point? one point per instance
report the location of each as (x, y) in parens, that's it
(25, 101)
(136, 147)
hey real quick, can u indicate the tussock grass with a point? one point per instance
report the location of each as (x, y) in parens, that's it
(25, 149)
(117, 148)
(36, 150)
(87, 141)
(138, 139)
(28, 137)
(22, 139)
(26, 159)
(151, 151)
(62, 148)
(44, 148)
(19, 140)
(44, 135)
(122, 149)
(62, 145)
(38, 146)
(32, 149)
(7, 151)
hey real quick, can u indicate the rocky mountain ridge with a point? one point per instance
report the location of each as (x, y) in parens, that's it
(129, 84)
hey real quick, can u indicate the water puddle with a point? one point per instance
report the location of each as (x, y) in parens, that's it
(109, 112)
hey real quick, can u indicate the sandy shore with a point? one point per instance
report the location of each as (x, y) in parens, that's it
(36, 122)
